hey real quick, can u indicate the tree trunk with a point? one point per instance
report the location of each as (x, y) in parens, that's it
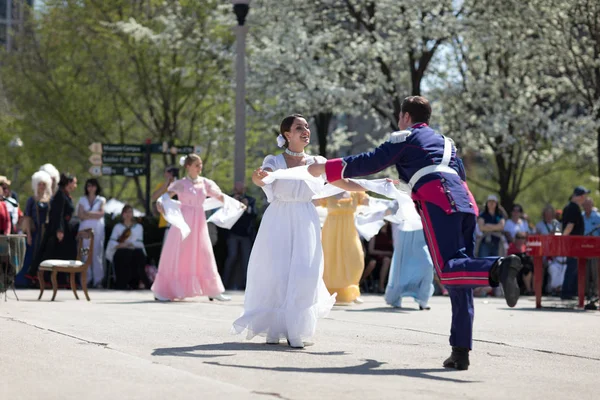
(507, 199)
(416, 78)
(322, 121)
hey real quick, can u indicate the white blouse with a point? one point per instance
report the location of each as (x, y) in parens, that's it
(97, 205)
(136, 239)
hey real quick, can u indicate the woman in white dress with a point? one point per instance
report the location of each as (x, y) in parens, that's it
(90, 211)
(285, 292)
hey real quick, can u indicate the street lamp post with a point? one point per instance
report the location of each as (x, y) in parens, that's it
(240, 8)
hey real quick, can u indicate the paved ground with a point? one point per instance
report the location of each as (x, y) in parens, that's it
(124, 345)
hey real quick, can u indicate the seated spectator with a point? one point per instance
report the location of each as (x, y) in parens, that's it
(549, 225)
(379, 255)
(518, 248)
(557, 266)
(516, 223)
(126, 251)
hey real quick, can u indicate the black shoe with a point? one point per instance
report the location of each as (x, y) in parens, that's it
(505, 272)
(592, 305)
(426, 308)
(459, 359)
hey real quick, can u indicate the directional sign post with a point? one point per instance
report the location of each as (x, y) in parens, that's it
(117, 171)
(116, 148)
(95, 159)
(162, 148)
(131, 159)
(118, 159)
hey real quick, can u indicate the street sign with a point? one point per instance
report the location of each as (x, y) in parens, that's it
(95, 170)
(95, 147)
(117, 159)
(95, 159)
(116, 148)
(123, 148)
(101, 148)
(121, 171)
(164, 148)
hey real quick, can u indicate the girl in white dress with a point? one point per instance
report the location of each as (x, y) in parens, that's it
(90, 211)
(285, 292)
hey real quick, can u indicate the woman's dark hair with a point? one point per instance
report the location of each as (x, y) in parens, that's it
(499, 210)
(65, 179)
(286, 125)
(126, 208)
(93, 182)
(173, 170)
(517, 205)
(417, 107)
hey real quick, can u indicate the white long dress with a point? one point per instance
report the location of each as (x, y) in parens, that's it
(96, 270)
(285, 292)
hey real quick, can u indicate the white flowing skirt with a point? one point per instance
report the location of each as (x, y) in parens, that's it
(285, 292)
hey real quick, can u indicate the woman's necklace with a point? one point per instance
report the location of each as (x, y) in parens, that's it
(194, 180)
(293, 153)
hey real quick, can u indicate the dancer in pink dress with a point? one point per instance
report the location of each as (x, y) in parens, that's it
(187, 267)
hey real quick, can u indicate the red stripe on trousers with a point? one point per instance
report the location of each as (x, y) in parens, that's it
(447, 278)
(438, 261)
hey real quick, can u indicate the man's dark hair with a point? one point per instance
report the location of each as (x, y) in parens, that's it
(417, 107)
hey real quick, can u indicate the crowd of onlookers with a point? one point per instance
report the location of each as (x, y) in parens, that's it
(502, 233)
(51, 219)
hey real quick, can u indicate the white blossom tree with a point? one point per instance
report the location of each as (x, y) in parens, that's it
(293, 68)
(346, 56)
(504, 103)
(572, 33)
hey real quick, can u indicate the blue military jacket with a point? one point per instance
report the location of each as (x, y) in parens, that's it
(410, 151)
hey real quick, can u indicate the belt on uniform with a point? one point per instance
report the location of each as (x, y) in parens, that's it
(430, 169)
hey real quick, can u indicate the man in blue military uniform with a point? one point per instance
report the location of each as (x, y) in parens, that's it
(428, 162)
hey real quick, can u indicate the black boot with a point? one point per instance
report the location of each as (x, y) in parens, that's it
(505, 272)
(459, 359)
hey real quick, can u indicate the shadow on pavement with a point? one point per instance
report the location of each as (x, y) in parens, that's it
(232, 347)
(369, 367)
(388, 309)
(558, 308)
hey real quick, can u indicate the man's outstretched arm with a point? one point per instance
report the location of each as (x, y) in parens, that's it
(363, 164)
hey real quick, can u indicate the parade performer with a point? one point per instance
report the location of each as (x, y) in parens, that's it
(285, 292)
(411, 274)
(428, 162)
(54, 175)
(34, 223)
(187, 266)
(342, 249)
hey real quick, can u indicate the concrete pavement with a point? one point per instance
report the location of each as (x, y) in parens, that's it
(124, 345)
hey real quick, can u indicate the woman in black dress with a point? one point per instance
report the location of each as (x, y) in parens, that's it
(59, 241)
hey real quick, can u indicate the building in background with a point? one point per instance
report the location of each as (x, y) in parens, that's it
(12, 17)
